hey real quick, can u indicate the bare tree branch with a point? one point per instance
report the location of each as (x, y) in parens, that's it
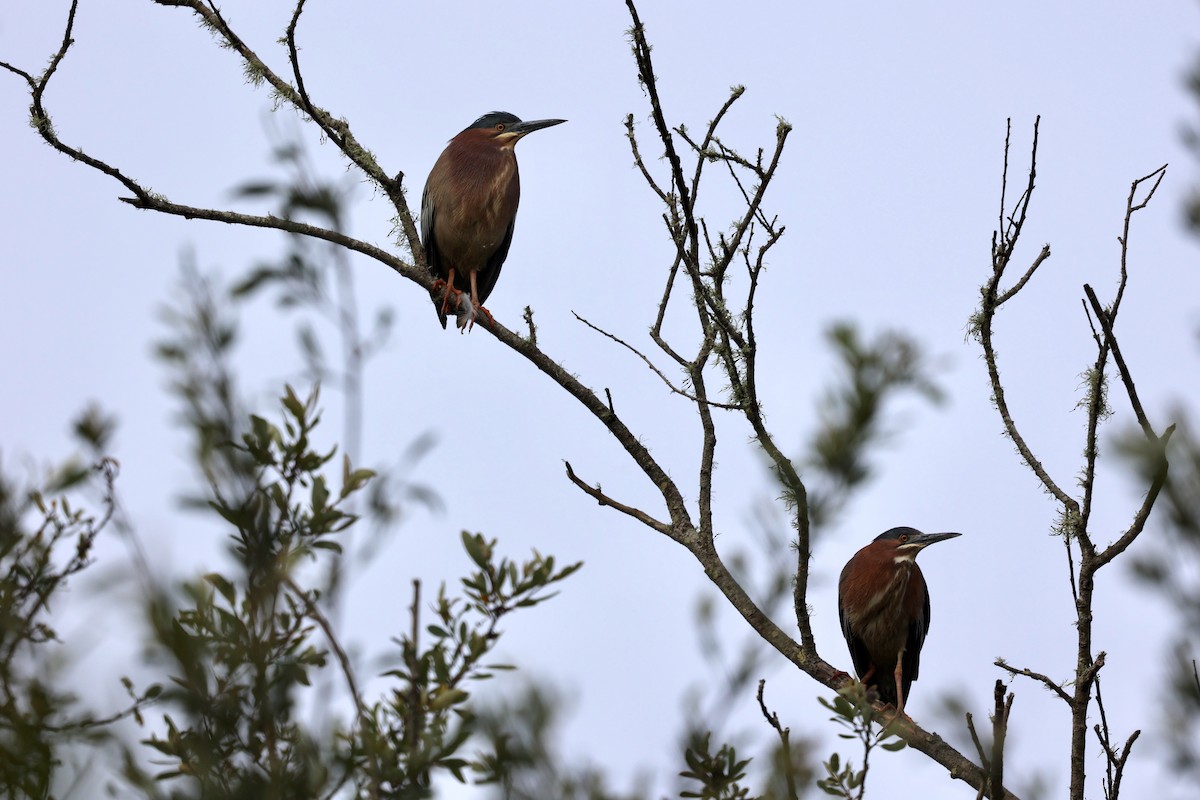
(1097, 396)
(1004, 242)
(1000, 715)
(597, 494)
(1114, 762)
(1110, 341)
(784, 741)
(1075, 514)
(360, 707)
(1024, 279)
(337, 129)
(654, 367)
(1143, 513)
(1048, 682)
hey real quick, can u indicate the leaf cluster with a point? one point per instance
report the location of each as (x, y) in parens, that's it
(718, 774)
(854, 711)
(428, 712)
(245, 648)
(44, 543)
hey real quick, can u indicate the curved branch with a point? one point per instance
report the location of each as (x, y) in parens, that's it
(336, 128)
(164, 206)
(1143, 513)
(1004, 241)
(681, 525)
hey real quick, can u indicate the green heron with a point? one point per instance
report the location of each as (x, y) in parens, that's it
(883, 605)
(468, 211)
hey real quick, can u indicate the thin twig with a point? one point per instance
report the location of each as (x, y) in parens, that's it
(1037, 676)
(631, 135)
(600, 497)
(1004, 241)
(980, 750)
(364, 714)
(784, 741)
(528, 317)
(1020, 284)
(653, 367)
(1114, 763)
(1143, 513)
(1131, 208)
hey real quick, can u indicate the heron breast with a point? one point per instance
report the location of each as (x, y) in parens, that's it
(479, 215)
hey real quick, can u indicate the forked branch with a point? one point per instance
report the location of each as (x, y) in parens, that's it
(1075, 513)
(1004, 242)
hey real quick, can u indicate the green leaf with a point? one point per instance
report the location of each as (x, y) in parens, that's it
(248, 284)
(256, 189)
(445, 698)
(357, 480)
(292, 403)
(320, 494)
(222, 585)
(477, 551)
(234, 516)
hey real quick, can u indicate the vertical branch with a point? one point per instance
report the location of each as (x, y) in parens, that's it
(1087, 668)
(727, 338)
(789, 772)
(1076, 514)
(1000, 717)
(1004, 242)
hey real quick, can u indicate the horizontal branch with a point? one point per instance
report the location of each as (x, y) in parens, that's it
(1037, 676)
(164, 206)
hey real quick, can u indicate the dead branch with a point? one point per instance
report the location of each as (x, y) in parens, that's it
(1048, 682)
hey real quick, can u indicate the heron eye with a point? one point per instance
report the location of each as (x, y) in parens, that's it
(499, 126)
(902, 538)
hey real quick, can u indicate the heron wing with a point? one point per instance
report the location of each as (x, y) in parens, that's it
(486, 279)
(917, 629)
(433, 255)
(858, 648)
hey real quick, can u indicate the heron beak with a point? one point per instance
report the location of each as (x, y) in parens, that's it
(926, 539)
(529, 126)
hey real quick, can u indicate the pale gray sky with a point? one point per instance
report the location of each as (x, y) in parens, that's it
(889, 189)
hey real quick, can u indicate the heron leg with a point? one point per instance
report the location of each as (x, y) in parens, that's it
(899, 675)
(450, 290)
(476, 306)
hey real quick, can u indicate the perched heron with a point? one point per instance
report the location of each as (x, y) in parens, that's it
(883, 605)
(468, 211)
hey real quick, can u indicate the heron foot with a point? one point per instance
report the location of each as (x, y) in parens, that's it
(466, 317)
(450, 291)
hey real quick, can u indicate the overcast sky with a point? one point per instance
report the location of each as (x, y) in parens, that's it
(889, 189)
